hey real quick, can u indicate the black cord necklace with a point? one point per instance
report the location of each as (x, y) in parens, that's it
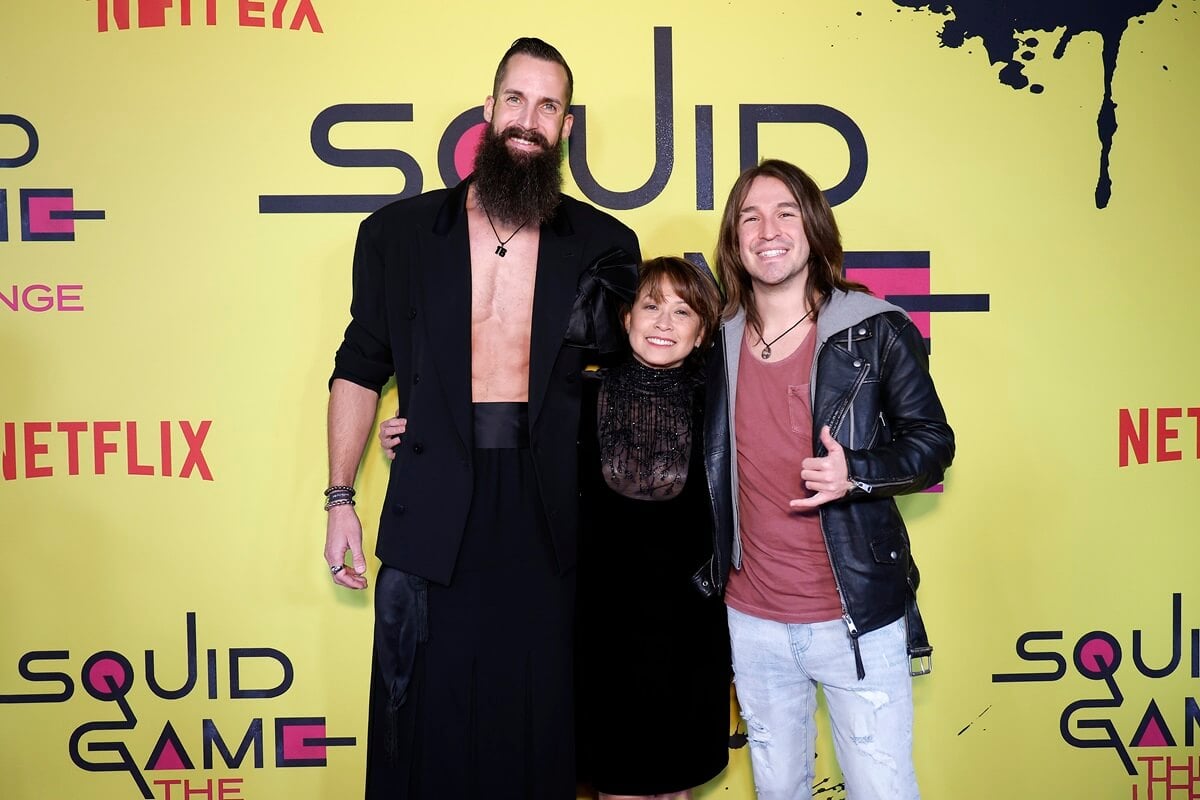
(501, 248)
(766, 351)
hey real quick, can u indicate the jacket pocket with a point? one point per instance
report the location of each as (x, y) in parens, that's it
(890, 548)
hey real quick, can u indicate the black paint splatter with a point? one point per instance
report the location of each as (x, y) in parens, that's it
(999, 22)
(836, 791)
(738, 739)
(972, 722)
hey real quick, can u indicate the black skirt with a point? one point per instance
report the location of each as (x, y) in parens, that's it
(652, 657)
(489, 709)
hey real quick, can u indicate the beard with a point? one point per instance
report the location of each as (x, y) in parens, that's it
(517, 189)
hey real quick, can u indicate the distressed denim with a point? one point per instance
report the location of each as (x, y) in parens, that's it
(777, 668)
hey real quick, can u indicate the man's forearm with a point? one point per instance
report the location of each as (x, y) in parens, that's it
(351, 415)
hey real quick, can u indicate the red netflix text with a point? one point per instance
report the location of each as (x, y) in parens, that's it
(293, 14)
(166, 449)
(1164, 434)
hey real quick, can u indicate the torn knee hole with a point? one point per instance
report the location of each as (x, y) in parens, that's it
(756, 731)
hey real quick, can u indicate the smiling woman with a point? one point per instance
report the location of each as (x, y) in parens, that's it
(663, 328)
(651, 639)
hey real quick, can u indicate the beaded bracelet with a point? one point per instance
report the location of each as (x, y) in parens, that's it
(339, 496)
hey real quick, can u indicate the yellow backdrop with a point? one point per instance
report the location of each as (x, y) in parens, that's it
(177, 213)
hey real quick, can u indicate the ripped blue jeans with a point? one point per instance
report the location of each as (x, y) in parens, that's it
(777, 668)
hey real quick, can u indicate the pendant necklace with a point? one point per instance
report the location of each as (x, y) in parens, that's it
(766, 351)
(501, 249)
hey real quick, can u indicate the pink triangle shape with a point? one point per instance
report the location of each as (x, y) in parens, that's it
(1152, 736)
(169, 757)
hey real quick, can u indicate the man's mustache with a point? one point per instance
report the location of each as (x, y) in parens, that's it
(517, 132)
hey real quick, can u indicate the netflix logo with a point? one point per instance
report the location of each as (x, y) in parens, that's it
(293, 14)
(1158, 434)
(167, 449)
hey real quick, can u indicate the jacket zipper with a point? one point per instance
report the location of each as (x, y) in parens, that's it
(851, 628)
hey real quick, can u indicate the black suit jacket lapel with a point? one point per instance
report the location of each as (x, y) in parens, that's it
(445, 272)
(555, 285)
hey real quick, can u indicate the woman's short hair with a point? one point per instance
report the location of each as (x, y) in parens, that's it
(695, 285)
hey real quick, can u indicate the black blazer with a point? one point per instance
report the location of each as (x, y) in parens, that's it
(411, 316)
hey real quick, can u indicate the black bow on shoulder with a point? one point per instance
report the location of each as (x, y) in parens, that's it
(608, 283)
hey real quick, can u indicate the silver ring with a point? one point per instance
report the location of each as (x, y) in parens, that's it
(336, 568)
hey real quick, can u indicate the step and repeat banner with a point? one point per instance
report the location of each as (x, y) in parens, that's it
(180, 186)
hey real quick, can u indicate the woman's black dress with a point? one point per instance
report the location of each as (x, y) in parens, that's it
(652, 653)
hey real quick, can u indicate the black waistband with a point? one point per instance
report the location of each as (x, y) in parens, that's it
(501, 425)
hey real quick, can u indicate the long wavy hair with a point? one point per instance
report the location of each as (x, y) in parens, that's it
(825, 268)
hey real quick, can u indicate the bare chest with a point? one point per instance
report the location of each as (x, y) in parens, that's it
(502, 286)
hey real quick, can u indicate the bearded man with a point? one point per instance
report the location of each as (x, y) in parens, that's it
(464, 295)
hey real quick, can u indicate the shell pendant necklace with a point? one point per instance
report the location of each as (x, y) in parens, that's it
(766, 351)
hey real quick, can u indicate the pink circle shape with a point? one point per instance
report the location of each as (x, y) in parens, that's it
(464, 151)
(104, 668)
(1097, 656)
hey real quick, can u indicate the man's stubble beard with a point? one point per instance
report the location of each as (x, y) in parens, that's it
(517, 189)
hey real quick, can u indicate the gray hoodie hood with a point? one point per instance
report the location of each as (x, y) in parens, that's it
(849, 308)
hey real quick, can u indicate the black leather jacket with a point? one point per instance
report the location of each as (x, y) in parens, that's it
(871, 386)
